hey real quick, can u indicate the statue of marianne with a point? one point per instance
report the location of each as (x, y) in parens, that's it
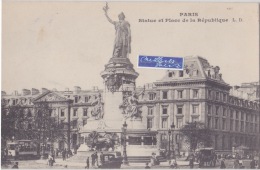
(122, 44)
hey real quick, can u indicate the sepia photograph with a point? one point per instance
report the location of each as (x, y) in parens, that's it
(130, 85)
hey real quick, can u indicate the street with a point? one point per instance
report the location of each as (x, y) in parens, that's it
(42, 164)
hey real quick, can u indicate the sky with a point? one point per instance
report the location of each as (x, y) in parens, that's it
(65, 44)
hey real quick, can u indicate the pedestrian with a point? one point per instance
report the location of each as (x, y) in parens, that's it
(236, 164)
(215, 157)
(50, 160)
(191, 163)
(87, 163)
(101, 158)
(64, 155)
(201, 163)
(147, 166)
(96, 158)
(222, 164)
(93, 160)
(252, 164)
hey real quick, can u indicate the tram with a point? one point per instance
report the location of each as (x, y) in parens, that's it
(22, 149)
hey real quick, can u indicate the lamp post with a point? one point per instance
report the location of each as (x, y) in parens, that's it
(169, 133)
(125, 161)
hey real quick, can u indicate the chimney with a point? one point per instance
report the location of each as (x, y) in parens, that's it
(26, 92)
(44, 90)
(35, 91)
(95, 88)
(15, 93)
(3, 93)
(77, 89)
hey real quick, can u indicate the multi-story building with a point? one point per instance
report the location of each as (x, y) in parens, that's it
(197, 93)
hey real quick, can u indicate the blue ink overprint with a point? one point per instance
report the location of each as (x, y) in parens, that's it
(160, 62)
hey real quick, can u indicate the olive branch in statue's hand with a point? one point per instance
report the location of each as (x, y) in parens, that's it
(105, 8)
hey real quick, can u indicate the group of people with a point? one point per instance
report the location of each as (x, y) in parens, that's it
(66, 154)
(96, 160)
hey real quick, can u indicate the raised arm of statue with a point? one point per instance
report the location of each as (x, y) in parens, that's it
(110, 20)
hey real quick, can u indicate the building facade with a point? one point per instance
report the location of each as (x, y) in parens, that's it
(196, 93)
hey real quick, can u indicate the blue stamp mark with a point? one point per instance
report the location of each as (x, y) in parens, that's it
(175, 63)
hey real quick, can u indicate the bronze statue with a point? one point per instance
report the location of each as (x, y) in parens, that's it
(122, 44)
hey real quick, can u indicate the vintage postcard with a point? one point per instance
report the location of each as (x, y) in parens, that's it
(130, 85)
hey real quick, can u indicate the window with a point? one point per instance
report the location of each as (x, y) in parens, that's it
(134, 140)
(179, 109)
(231, 113)
(217, 110)
(209, 109)
(170, 74)
(231, 124)
(75, 112)
(84, 122)
(149, 123)
(164, 123)
(237, 115)
(209, 94)
(165, 96)
(242, 126)
(237, 125)
(86, 99)
(179, 123)
(180, 94)
(62, 112)
(223, 124)
(180, 73)
(165, 111)
(150, 110)
(195, 109)
(148, 140)
(224, 112)
(209, 122)
(74, 124)
(76, 99)
(152, 96)
(217, 95)
(195, 93)
(85, 112)
(242, 116)
(216, 123)
(224, 97)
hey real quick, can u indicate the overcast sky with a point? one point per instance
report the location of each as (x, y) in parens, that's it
(66, 44)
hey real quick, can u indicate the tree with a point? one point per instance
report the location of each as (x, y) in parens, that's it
(197, 134)
(46, 125)
(16, 122)
(37, 124)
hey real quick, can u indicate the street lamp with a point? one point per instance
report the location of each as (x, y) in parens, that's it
(169, 133)
(125, 161)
